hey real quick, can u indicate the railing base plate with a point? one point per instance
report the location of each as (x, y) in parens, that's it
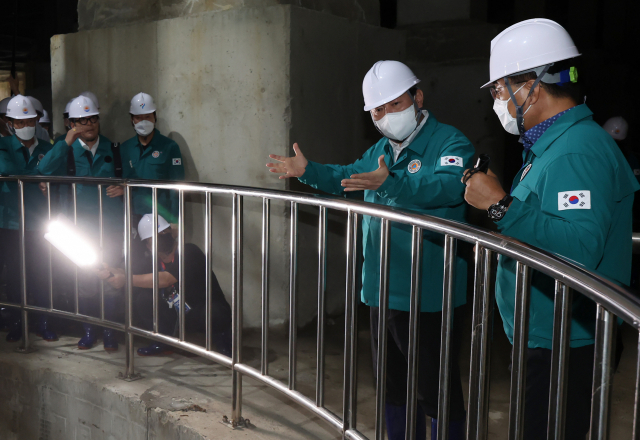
(132, 378)
(25, 350)
(233, 424)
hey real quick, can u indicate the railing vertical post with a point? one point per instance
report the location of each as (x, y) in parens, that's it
(74, 191)
(24, 348)
(322, 266)
(154, 255)
(50, 249)
(236, 288)
(559, 361)
(353, 346)
(480, 347)
(383, 316)
(449, 279)
(414, 333)
(266, 242)
(129, 348)
(208, 250)
(101, 244)
(602, 373)
(182, 292)
(519, 358)
(293, 312)
(636, 406)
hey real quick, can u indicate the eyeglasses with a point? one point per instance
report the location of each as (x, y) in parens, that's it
(496, 92)
(85, 121)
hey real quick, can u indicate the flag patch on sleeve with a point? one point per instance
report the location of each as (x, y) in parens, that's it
(448, 161)
(574, 200)
(177, 161)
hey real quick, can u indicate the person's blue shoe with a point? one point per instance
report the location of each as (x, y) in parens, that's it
(15, 330)
(396, 417)
(109, 340)
(155, 349)
(456, 430)
(44, 330)
(88, 339)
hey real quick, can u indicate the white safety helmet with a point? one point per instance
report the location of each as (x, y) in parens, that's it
(145, 226)
(91, 96)
(3, 105)
(617, 127)
(82, 107)
(21, 107)
(529, 46)
(142, 104)
(36, 104)
(66, 107)
(45, 117)
(385, 81)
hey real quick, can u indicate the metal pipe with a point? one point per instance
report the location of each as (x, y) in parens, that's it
(266, 231)
(602, 373)
(322, 267)
(101, 244)
(414, 333)
(348, 313)
(236, 289)
(383, 316)
(154, 256)
(559, 361)
(477, 420)
(353, 334)
(208, 251)
(67, 315)
(293, 269)
(519, 358)
(445, 338)
(636, 404)
(129, 348)
(23, 269)
(74, 191)
(182, 293)
(50, 249)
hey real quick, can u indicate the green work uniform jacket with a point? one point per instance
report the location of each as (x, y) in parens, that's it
(574, 200)
(12, 162)
(159, 160)
(54, 163)
(425, 179)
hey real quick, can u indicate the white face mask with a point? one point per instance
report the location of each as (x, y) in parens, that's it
(398, 126)
(144, 128)
(25, 133)
(501, 108)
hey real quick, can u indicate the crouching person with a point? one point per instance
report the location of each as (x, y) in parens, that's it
(168, 284)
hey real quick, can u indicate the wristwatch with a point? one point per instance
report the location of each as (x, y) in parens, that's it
(498, 210)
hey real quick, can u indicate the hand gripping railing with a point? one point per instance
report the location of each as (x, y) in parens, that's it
(612, 301)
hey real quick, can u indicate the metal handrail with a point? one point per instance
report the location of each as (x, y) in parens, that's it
(611, 298)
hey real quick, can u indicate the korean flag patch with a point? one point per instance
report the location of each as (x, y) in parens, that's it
(574, 200)
(176, 161)
(449, 161)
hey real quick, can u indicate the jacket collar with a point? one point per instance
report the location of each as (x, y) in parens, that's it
(564, 122)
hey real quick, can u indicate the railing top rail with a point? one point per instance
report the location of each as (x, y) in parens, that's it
(615, 298)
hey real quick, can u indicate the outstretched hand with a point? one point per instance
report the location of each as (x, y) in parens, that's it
(371, 180)
(289, 166)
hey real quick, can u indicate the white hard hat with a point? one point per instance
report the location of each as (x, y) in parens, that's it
(145, 226)
(82, 107)
(617, 127)
(45, 118)
(36, 104)
(21, 107)
(91, 96)
(66, 107)
(385, 81)
(142, 104)
(3, 105)
(528, 45)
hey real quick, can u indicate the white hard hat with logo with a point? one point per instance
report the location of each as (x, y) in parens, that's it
(45, 118)
(386, 81)
(3, 105)
(93, 97)
(82, 107)
(617, 127)
(21, 107)
(145, 226)
(36, 104)
(529, 46)
(66, 107)
(142, 104)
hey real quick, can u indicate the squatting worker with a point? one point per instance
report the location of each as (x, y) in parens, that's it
(86, 153)
(150, 155)
(416, 165)
(572, 196)
(19, 156)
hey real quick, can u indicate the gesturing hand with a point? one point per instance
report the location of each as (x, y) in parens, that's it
(289, 166)
(115, 191)
(75, 133)
(483, 190)
(371, 180)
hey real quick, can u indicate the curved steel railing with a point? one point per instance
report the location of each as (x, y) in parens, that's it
(612, 300)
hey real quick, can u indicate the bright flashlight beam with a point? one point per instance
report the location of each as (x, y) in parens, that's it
(66, 239)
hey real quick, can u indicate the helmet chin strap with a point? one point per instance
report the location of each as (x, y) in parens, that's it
(519, 112)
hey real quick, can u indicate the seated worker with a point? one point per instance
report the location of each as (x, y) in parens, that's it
(168, 283)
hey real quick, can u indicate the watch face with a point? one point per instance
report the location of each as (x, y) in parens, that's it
(496, 212)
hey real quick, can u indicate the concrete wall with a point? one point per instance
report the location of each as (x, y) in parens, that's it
(412, 12)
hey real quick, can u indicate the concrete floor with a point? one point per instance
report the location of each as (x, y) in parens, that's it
(173, 380)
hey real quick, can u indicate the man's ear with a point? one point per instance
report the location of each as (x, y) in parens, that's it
(535, 95)
(419, 98)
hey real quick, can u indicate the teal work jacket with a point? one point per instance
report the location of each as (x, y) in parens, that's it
(35, 202)
(424, 179)
(574, 200)
(159, 160)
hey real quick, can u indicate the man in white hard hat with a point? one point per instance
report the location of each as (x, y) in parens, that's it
(572, 197)
(40, 131)
(45, 121)
(19, 156)
(65, 117)
(4, 121)
(85, 152)
(151, 155)
(417, 165)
